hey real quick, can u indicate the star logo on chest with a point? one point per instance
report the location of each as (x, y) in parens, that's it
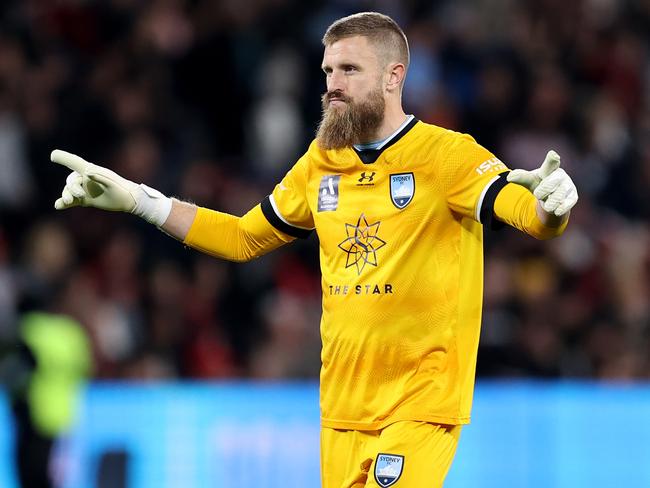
(361, 244)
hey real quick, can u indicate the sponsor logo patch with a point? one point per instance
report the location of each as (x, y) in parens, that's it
(388, 469)
(328, 193)
(361, 244)
(402, 189)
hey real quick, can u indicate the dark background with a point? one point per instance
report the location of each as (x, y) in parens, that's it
(213, 101)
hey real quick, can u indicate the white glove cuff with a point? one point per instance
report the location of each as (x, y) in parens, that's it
(151, 205)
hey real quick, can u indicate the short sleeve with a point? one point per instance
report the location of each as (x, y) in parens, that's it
(471, 177)
(286, 208)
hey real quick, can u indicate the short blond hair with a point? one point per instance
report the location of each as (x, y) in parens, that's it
(380, 29)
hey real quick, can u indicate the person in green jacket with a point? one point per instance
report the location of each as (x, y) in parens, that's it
(44, 374)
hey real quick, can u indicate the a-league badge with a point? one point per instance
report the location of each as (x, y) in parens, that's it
(328, 193)
(402, 189)
(388, 469)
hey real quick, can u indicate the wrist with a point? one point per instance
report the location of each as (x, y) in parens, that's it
(151, 205)
(549, 219)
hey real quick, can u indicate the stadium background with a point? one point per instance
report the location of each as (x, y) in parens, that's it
(214, 100)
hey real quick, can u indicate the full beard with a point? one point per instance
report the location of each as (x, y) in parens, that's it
(354, 123)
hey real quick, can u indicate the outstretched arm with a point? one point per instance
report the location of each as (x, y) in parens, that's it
(219, 234)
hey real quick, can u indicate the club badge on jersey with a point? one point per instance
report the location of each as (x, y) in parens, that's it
(388, 469)
(402, 189)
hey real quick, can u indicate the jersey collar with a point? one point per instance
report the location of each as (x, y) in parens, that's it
(369, 156)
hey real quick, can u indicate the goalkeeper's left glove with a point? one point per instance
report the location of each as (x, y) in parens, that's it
(550, 184)
(91, 185)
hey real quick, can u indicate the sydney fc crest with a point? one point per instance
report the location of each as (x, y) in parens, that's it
(388, 469)
(402, 189)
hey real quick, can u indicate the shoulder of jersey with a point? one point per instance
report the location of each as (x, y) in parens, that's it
(317, 153)
(441, 133)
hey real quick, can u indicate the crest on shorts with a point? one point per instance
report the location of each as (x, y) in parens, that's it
(402, 189)
(388, 469)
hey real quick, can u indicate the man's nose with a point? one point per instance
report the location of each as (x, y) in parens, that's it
(336, 82)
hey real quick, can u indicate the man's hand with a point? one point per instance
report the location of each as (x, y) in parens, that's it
(550, 184)
(90, 185)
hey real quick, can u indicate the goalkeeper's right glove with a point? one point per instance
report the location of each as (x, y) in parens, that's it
(90, 185)
(550, 184)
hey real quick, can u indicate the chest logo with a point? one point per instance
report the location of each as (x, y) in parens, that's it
(367, 178)
(402, 189)
(328, 193)
(361, 244)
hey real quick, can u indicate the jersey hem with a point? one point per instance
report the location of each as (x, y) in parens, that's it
(353, 425)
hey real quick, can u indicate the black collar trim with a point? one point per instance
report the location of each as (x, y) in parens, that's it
(369, 156)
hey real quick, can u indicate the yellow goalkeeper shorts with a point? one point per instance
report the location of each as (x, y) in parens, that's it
(405, 454)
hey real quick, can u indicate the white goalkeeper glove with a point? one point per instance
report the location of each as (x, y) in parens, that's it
(550, 184)
(90, 185)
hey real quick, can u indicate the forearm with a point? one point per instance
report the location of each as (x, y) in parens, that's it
(227, 236)
(517, 207)
(180, 219)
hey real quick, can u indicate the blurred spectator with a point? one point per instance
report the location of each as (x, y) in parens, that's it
(43, 371)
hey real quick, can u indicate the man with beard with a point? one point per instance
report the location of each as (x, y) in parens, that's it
(399, 207)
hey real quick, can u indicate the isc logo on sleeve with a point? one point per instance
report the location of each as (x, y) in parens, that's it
(490, 165)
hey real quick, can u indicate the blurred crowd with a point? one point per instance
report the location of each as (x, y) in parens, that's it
(213, 100)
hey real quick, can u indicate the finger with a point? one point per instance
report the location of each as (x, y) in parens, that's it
(555, 199)
(101, 179)
(527, 179)
(69, 160)
(60, 204)
(74, 184)
(550, 164)
(551, 206)
(66, 196)
(549, 184)
(568, 203)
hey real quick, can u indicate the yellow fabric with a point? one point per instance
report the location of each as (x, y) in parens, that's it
(402, 288)
(402, 284)
(234, 238)
(348, 457)
(516, 206)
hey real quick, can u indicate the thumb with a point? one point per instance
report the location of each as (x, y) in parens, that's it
(96, 184)
(527, 179)
(550, 164)
(61, 205)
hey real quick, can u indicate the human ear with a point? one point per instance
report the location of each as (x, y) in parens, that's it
(394, 76)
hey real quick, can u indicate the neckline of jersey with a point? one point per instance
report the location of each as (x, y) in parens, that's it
(369, 156)
(382, 142)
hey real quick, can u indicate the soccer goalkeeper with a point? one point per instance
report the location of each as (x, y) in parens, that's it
(399, 207)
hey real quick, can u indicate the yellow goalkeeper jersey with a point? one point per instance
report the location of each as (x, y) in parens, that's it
(401, 253)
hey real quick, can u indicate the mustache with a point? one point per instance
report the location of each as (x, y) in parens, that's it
(338, 94)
